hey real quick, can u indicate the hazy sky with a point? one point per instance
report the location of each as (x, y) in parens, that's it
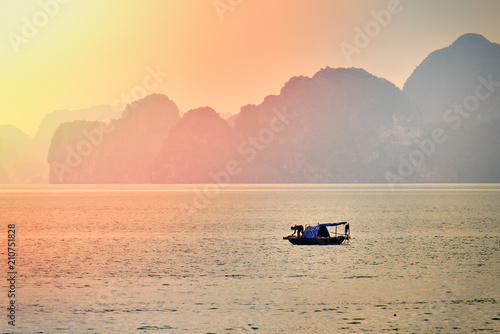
(75, 54)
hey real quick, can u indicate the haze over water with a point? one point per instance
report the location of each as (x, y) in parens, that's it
(135, 259)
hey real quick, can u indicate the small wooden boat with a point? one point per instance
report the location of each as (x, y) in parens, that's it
(318, 234)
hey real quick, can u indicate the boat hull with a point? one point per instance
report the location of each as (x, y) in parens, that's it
(316, 241)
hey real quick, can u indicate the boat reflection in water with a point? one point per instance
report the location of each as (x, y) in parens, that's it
(318, 234)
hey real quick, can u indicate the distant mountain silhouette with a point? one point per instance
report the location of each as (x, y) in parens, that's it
(52, 120)
(447, 76)
(23, 158)
(201, 142)
(342, 125)
(119, 152)
(457, 89)
(16, 155)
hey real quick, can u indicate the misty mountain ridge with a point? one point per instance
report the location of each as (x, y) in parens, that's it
(457, 89)
(342, 125)
(447, 76)
(120, 151)
(23, 158)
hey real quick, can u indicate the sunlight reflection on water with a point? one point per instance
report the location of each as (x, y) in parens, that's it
(101, 259)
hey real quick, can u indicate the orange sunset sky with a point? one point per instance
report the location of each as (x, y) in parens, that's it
(223, 53)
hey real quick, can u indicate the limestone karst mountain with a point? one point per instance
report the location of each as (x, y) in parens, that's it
(23, 158)
(342, 125)
(201, 142)
(457, 90)
(120, 151)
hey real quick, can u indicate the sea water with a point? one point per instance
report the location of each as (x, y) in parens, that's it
(198, 259)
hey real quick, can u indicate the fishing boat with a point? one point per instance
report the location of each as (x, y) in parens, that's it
(318, 234)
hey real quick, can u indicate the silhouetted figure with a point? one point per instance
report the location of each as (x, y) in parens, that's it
(300, 229)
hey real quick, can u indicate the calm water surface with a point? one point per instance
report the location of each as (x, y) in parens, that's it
(174, 259)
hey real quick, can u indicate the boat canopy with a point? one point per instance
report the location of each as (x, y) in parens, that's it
(333, 224)
(319, 230)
